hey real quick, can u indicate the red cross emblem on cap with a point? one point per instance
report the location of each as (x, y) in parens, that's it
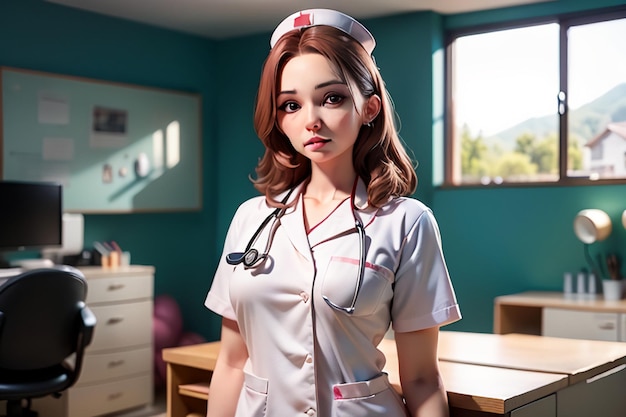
(302, 20)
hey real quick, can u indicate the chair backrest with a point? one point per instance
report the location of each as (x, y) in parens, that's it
(40, 317)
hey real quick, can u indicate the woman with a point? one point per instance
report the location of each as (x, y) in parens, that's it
(317, 268)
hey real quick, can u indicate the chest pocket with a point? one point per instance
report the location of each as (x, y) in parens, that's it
(340, 281)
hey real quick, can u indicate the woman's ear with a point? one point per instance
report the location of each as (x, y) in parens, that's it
(372, 108)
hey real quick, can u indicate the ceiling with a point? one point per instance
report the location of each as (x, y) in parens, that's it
(220, 19)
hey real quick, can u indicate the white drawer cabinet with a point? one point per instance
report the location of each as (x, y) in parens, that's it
(557, 315)
(121, 325)
(117, 372)
(573, 324)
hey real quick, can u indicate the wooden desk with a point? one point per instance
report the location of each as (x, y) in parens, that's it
(473, 390)
(483, 390)
(595, 370)
(189, 370)
(579, 359)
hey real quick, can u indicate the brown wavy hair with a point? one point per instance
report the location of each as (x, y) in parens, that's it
(379, 157)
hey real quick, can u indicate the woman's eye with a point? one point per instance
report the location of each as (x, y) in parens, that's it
(334, 99)
(289, 107)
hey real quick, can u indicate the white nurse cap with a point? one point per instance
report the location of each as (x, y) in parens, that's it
(325, 17)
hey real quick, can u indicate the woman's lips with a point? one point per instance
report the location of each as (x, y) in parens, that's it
(316, 143)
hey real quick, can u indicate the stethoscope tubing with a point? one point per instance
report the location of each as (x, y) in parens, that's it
(251, 257)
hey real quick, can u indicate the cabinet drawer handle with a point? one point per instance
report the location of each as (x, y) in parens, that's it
(115, 320)
(115, 364)
(115, 287)
(115, 395)
(607, 326)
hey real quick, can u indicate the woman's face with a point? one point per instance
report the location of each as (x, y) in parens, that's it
(317, 112)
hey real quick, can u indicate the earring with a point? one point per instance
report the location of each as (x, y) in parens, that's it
(368, 124)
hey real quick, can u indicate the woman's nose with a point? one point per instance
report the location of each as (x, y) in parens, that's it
(313, 121)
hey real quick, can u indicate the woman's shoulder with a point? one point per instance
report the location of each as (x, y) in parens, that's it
(408, 207)
(251, 207)
(249, 213)
(407, 213)
(253, 203)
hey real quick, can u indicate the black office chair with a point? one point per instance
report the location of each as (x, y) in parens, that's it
(45, 327)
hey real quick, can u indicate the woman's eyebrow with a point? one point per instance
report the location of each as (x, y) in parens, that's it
(286, 92)
(317, 87)
(327, 83)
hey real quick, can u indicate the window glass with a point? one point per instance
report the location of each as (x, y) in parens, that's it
(504, 96)
(544, 102)
(597, 100)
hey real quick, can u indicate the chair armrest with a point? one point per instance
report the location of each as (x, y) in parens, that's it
(85, 335)
(88, 324)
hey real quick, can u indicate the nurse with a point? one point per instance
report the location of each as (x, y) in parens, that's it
(334, 251)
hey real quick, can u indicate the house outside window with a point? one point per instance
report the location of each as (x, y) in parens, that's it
(607, 150)
(540, 102)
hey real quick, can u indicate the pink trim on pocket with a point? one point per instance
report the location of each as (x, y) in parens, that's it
(355, 262)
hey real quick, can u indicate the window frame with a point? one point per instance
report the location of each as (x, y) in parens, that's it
(565, 21)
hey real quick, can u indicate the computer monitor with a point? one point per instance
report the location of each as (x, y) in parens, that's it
(30, 216)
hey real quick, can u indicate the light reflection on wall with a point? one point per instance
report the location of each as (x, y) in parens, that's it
(157, 151)
(166, 149)
(172, 141)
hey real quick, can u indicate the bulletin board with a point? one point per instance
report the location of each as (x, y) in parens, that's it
(114, 147)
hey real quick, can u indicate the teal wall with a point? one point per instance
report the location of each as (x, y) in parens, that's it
(182, 246)
(496, 241)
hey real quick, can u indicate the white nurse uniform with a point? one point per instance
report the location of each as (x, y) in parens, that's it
(305, 357)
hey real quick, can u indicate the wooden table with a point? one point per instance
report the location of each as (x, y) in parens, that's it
(485, 375)
(479, 390)
(189, 370)
(595, 370)
(579, 359)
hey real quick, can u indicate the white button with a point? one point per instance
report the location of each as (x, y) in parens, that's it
(309, 359)
(304, 296)
(310, 412)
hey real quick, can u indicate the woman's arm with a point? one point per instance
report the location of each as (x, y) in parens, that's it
(418, 365)
(227, 378)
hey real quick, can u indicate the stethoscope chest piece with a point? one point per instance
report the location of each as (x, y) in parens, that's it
(249, 258)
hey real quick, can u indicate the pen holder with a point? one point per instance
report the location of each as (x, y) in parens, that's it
(612, 289)
(125, 258)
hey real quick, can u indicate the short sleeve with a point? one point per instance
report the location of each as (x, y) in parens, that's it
(218, 299)
(423, 292)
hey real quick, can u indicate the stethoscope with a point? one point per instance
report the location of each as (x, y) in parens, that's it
(251, 257)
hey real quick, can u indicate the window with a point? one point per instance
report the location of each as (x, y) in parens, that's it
(538, 103)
